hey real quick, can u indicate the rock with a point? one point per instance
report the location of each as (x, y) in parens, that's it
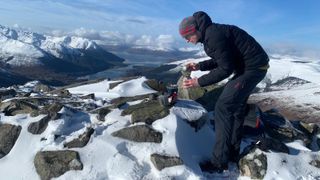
(89, 96)
(121, 80)
(113, 85)
(54, 108)
(41, 125)
(190, 93)
(42, 88)
(51, 164)
(156, 85)
(8, 136)
(287, 83)
(89, 106)
(315, 162)
(162, 161)
(148, 112)
(101, 112)
(82, 140)
(38, 101)
(210, 97)
(17, 106)
(139, 133)
(118, 102)
(63, 93)
(49, 109)
(254, 164)
(278, 127)
(6, 94)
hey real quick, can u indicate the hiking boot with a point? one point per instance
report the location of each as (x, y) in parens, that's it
(210, 167)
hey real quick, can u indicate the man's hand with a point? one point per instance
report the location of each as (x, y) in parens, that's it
(192, 66)
(188, 83)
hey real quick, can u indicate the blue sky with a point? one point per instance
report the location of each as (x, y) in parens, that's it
(272, 22)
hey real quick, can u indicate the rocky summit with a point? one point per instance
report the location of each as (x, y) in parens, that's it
(118, 129)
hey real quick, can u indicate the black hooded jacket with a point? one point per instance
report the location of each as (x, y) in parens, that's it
(232, 50)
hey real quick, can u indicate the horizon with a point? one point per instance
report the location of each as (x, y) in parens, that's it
(287, 27)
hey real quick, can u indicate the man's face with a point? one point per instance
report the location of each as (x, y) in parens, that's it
(193, 38)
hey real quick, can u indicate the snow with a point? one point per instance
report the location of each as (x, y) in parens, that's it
(108, 157)
(126, 89)
(27, 48)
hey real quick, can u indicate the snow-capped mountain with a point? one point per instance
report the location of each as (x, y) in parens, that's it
(23, 49)
(20, 47)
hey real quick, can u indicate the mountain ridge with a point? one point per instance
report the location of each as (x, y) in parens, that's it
(23, 53)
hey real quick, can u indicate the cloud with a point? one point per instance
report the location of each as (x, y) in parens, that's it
(161, 42)
(287, 48)
(137, 21)
(116, 38)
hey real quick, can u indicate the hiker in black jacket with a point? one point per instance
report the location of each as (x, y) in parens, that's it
(232, 51)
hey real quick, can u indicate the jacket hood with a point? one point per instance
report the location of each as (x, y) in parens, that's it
(203, 21)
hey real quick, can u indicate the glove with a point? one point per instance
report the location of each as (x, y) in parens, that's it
(192, 66)
(188, 83)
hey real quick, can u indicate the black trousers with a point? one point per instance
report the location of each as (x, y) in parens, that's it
(230, 114)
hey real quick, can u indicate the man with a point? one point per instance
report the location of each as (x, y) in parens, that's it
(233, 51)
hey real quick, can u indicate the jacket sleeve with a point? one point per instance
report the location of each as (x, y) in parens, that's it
(221, 50)
(207, 65)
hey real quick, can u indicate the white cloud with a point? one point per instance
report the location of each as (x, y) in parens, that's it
(165, 41)
(116, 38)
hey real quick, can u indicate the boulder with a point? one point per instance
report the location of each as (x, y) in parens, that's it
(8, 136)
(51, 164)
(17, 106)
(49, 109)
(139, 133)
(101, 112)
(41, 125)
(163, 161)
(148, 112)
(254, 164)
(118, 102)
(207, 96)
(189, 93)
(82, 140)
(156, 85)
